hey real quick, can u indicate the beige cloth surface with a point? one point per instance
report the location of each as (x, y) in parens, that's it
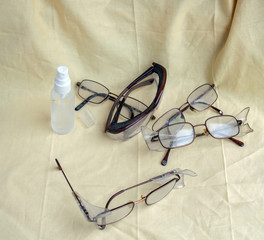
(112, 42)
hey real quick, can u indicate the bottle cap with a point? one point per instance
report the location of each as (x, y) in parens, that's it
(87, 117)
(62, 83)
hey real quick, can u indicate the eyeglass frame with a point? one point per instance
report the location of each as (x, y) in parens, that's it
(110, 95)
(206, 131)
(160, 177)
(183, 108)
(210, 106)
(112, 126)
(236, 141)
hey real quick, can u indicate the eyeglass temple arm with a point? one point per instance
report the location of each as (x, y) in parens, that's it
(237, 142)
(142, 84)
(75, 195)
(217, 110)
(60, 168)
(164, 161)
(184, 107)
(85, 101)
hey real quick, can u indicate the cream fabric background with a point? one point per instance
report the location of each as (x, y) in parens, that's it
(113, 41)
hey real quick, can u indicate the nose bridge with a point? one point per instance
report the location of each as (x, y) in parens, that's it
(204, 132)
(140, 200)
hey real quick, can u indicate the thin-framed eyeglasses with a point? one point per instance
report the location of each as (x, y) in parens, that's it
(94, 92)
(183, 133)
(103, 216)
(200, 99)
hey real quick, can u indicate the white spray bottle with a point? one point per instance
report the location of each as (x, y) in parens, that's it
(62, 102)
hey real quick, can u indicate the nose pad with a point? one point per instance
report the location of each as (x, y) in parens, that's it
(192, 109)
(205, 132)
(142, 198)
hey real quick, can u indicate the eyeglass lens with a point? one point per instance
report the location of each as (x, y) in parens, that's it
(115, 214)
(172, 116)
(124, 210)
(176, 135)
(137, 107)
(131, 108)
(130, 98)
(96, 92)
(222, 126)
(161, 192)
(202, 98)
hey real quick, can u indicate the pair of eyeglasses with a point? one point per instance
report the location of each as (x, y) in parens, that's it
(172, 131)
(94, 92)
(127, 114)
(104, 216)
(200, 99)
(117, 128)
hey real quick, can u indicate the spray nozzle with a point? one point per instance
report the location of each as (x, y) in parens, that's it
(62, 82)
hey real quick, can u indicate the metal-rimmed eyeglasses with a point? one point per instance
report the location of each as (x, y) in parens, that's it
(94, 92)
(104, 216)
(172, 131)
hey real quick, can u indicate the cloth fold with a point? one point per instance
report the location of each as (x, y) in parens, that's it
(111, 42)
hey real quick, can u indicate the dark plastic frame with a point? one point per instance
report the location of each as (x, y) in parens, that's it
(112, 126)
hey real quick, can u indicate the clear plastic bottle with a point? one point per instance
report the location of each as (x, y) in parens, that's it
(62, 102)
